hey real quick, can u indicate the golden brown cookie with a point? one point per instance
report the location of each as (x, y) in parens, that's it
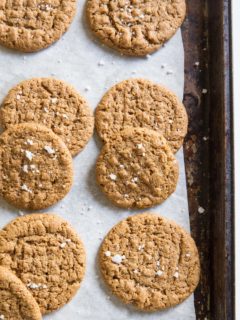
(137, 169)
(34, 24)
(47, 255)
(135, 27)
(35, 166)
(53, 103)
(142, 103)
(16, 302)
(150, 262)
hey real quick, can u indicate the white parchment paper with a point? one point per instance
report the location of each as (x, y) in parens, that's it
(92, 69)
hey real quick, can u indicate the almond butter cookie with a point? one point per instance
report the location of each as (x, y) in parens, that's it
(142, 103)
(135, 27)
(16, 302)
(137, 169)
(35, 24)
(150, 262)
(47, 255)
(35, 166)
(53, 103)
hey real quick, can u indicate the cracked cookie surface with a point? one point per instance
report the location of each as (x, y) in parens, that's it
(135, 27)
(142, 103)
(16, 302)
(137, 169)
(35, 166)
(150, 262)
(53, 103)
(47, 255)
(31, 25)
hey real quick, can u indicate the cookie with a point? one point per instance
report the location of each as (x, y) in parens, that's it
(135, 28)
(16, 302)
(47, 255)
(150, 262)
(30, 26)
(35, 166)
(53, 103)
(142, 103)
(136, 169)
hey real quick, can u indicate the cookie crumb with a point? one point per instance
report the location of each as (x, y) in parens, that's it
(101, 63)
(201, 210)
(118, 258)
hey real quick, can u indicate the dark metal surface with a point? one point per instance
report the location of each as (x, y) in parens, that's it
(208, 149)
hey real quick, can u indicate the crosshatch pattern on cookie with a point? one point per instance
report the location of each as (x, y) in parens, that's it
(150, 262)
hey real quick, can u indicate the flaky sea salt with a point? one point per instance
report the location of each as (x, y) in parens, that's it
(118, 258)
(63, 244)
(112, 176)
(29, 155)
(107, 253)
(33, 285)
(24, 187)
(159, 273)
(25, 168)
(139, 145)
(29, 141)
(49, 149)
(54, 100)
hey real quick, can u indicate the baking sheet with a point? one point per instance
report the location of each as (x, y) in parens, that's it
(78, 59)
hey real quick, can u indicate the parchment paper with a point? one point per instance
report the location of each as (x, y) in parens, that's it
(92, 69)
